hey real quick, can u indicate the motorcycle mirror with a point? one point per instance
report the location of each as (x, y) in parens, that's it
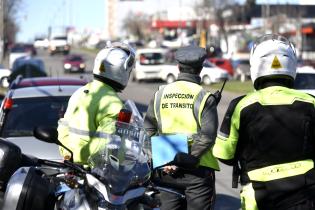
(46, 134)
(49, 135)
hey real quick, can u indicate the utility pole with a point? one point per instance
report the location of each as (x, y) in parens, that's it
(1, 30)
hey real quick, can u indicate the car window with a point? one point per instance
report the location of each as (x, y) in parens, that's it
(151, 58)
(60, 38)
(207, 63)
(28, 113)
(304, 81)
(219, 62)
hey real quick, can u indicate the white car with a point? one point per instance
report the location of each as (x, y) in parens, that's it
(159, 64)
(305, 79)
(41, 43)
(211, 73)
(152, 64)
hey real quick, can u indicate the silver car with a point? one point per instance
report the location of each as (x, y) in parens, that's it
(35, 102)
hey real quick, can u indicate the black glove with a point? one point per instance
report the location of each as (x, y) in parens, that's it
(185, 160)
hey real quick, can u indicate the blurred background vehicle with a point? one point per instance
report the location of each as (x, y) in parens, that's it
(41, 43)
(59, 44)
(27, 67)
(158, 64)
(35, 102)
(211, 73)
(74, 63)
(224, 64)
(305, 79)
(150, 62)
(17, 51)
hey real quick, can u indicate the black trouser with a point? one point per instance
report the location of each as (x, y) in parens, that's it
(198, 187)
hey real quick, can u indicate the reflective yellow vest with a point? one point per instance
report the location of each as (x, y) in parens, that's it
(178, 107)
(88, 120)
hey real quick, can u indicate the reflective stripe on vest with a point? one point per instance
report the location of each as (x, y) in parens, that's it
(178, 109)
(85, 133)
(281, 170)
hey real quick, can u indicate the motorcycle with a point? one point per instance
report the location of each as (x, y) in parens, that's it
(117, 178)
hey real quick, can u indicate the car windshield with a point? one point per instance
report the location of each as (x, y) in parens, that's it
(304, 81)
(28, 113)
(151, 58)
(60, 38)
(207, 63)
(75, 58)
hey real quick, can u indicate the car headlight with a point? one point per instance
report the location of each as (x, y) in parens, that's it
(82, 65)
(67, 66)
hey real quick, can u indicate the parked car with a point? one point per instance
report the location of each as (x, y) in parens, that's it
(305, 79)
(223, 64)
(74, 63)
(35, 102)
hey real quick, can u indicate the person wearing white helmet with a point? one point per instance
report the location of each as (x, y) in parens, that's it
(96, 104)
(268, 135)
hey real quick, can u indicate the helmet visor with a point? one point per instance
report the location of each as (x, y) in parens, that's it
(273, 37)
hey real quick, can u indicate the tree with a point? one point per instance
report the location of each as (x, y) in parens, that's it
(213, 11)
(10, 26)
(137, 25)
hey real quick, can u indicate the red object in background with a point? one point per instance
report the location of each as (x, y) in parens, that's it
(173, 24)
(223, 63)
(124, 116)
(74, 62)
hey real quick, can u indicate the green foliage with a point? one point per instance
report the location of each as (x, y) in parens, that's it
(234, 86)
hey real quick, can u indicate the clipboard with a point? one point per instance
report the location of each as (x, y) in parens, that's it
(165, 147)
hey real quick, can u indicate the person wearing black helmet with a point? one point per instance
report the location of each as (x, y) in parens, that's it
(184, 107)
(92, 107)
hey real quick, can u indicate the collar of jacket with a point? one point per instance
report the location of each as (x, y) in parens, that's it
(189, 78)
(96, 83)
(106, 82)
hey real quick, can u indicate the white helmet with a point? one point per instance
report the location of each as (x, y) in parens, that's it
(272, 55)
(114, 63)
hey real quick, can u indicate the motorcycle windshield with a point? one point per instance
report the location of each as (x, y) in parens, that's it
(123, 162)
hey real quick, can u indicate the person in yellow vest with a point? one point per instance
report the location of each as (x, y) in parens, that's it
(96, 105)
(184, 107)
(268, 134)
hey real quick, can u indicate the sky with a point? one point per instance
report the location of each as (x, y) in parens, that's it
(35, 16)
